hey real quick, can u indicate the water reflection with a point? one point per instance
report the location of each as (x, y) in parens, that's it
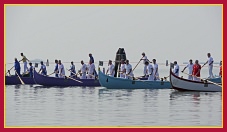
(115, 92)
(176, 94)
(92, 106)
(89, 90)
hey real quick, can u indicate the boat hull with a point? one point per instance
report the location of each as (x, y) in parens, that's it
(189, 85)
(53, 81)
(14, 80)
(119, 83)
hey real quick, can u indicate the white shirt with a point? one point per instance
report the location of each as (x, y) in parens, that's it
(176, 69)
(122, 67)
(149, 69)
(144, 59)
(190, 68)
(128, 67)
(210, 59)
(61, 69)
(91, 69)
(155, 66)
(111, 69)
(83, 68)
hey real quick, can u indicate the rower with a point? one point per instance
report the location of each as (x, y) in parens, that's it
(196, 71)
(144, 58)
(56, 68)
(220, 73)
(61, 69)
(150, 70)
(122, 69)
(43, 69)
(210, 65)
(155, 66)
(83, 70)
(128, 70)
(91, 69)
(110, 69)
(72, 70)
(24, 59)
(17, 67)
(176, 69)
(190, 67)
(31, 68)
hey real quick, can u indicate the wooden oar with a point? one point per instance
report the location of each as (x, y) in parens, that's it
(9, 69)
(73, 72)
(51, 73)
(72, 79)
(19, 78)
(136, 65)
(204, 79)
(9, 72)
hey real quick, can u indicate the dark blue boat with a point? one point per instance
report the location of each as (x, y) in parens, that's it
(14, 80)
(53, 81)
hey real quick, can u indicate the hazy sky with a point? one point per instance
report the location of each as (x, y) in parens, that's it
(70, 33)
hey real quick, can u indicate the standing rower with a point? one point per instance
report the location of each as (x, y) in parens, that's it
(210, 65)
(61, 69)
(196, 71)
(155, 66)
(150, 70)
(190, 67)
(144, 58)
(24, 59)
(110, 69)
(83, 70)
(122, 69)
(128, 70)
(43, 69)
(176, 69)
(56, 68)
(91, 69)
(72, 70)
(17, 67)
(31, 70)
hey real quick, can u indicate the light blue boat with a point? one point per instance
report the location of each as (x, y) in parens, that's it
(120, 83)
(215, 80)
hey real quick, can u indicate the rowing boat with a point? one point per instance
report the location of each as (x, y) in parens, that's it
(53, 81)
(120, 83)
(182, 84)
(14, 80)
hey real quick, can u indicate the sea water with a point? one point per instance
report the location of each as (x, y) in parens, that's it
(40, 106)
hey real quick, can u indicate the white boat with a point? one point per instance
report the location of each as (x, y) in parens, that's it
(190, 85)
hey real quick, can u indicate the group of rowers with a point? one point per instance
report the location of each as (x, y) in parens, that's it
(151, 70)
(86, 71)
(125, 70)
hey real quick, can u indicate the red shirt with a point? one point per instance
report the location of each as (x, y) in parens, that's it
(220, 74)
(196, 70)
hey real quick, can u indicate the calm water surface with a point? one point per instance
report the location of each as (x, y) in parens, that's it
(36, 105)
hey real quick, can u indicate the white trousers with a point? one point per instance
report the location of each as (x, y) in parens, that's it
(25, 66)
(151, 78)
(210, 67)
(145, 70)
(190, 77)
(196, 78)
(122, 75)
(156, 77)
(90, 76)
(83, 76)
(129, 77)
(60, 75)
